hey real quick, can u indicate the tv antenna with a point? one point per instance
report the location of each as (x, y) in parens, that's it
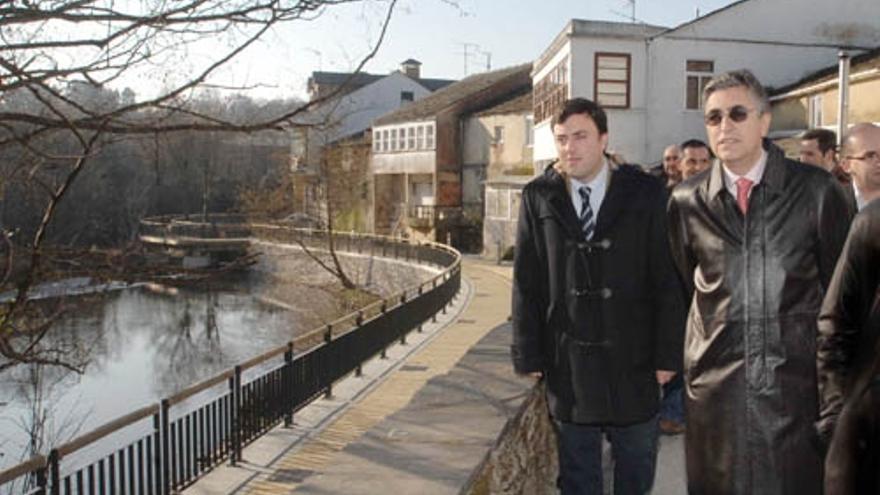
(470, 50)
(632, 12)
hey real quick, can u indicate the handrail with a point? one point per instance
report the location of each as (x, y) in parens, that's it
(180, 449)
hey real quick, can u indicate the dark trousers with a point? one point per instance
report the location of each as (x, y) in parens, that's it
(633, 448)
(672, 405)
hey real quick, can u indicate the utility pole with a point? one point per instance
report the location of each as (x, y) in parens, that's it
(842, 94)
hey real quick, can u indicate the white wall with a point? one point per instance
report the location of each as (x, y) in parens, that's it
(668, 121)
(851, 22)
(411, 162)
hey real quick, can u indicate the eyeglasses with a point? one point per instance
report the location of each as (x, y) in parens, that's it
(737, 113)
(869, 156)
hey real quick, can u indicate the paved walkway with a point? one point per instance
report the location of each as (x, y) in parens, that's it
(418, 422)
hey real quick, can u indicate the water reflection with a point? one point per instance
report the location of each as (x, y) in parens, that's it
(142, 346)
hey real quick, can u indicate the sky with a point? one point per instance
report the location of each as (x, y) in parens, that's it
(496, 33)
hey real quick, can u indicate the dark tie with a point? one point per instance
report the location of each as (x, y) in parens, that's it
(588, 222)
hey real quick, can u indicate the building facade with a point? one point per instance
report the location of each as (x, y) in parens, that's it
(650, 78)
(422, 187)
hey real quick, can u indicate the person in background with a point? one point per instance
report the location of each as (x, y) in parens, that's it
(755, 239)
(669, 171)
(860, 157)
(598, 312)
(818, 147)
(695, 157)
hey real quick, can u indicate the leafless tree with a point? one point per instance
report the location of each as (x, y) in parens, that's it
(56, 56)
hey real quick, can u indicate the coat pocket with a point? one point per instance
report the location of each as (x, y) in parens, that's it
(591, 373)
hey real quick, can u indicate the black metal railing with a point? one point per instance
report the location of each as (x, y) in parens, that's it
(163, 448)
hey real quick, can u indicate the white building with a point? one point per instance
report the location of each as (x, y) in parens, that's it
(649, 78)
(360, 98)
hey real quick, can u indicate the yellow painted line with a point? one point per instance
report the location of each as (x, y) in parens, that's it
(438, 356)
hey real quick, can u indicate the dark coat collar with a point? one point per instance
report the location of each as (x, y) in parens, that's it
(559, 199)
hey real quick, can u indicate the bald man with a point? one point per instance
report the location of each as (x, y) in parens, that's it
(860, 157)
(669, 170)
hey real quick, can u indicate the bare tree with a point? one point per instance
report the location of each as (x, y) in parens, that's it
(56, 61)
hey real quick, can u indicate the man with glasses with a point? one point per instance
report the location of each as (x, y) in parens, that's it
(755, 240)
(861, 158)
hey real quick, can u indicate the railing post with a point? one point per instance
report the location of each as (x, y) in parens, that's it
(328, 337)
(359, 371)
(403, 330)
(164, 471)
(384, 309)
(235, 419)
(54, 468)
(41, 479)
(156, 482)
(287, 385)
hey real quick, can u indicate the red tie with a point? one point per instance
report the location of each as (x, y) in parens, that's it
(743, 186)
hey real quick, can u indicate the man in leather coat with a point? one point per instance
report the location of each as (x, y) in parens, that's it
(598, 311)
(755, 239)
(849, 334)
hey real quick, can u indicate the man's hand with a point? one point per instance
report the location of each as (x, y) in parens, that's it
(537, 375)
(663, 376)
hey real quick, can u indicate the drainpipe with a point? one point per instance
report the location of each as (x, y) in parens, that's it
(843, 95)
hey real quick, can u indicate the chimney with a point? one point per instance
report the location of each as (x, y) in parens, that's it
(411, 67)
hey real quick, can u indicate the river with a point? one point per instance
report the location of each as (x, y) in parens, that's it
(141, 346)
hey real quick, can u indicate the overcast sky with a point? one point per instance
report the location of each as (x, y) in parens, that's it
(503, 32)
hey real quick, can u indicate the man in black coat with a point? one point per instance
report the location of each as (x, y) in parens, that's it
(756, 238)
(849, 360)
(597, 308)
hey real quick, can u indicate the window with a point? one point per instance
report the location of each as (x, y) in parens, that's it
(393, 143)
(407, 96)
(530, 131)
(411, 138)
(429, 137)
(376, 142)
(420, 137)
(401, 142)
(698, 73)
(612, 75)
(814, 107)
(491, 203)
(551, 91)
(498, 135)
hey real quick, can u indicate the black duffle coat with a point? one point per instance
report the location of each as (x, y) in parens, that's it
(597, 318)
(750, 346)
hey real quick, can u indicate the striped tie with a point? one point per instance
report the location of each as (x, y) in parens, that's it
(588, 223)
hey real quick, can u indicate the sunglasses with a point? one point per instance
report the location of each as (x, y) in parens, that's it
(737, 113)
